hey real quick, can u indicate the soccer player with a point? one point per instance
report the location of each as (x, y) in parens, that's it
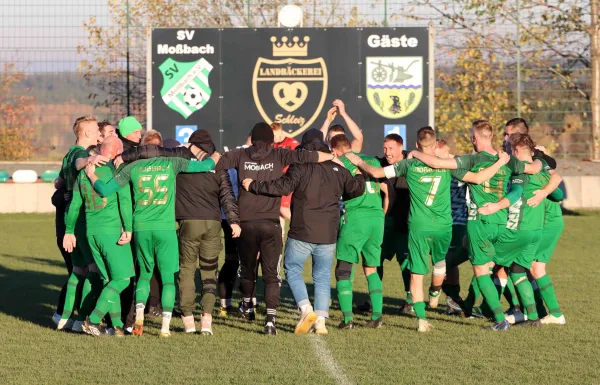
(520, 242)
(155, 237)
(106, 130)
(519, 126)
(314, 226)
(87, 133)
(484, 231)
(259, 215)
(339, 108)
(109, 227)
(430, 220)
(361, 234)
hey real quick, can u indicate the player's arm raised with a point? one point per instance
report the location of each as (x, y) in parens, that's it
(357, 142)
(105, 189)
(330, 116)
(551, 191)
(488, 173)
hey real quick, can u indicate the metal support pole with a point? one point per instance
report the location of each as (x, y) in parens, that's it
(128, 69)
(385, 20)
(518, 62)
(248, 6)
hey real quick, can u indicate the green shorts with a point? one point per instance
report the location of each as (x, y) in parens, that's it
(395, 243)
(457, 253)
(550, 237)
(157, 247)
(114, 261)
(360, 235)
(422, 244)
(481, 239)
(82, 254)
(517, 246)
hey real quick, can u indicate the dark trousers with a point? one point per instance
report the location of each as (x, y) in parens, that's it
(69, 264)
(228, 272)
(262, 236)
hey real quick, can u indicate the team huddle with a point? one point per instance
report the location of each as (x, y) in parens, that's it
(137, 214)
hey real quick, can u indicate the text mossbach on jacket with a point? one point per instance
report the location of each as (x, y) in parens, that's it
(253, 166)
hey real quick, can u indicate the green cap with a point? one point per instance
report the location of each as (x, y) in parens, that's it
(129, 124)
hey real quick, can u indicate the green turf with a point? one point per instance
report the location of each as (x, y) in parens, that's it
(458, 351)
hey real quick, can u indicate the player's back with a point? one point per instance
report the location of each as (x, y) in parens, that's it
(154, 194)
(101, 213)
(521, 216)
(429, 196)
(370, 202)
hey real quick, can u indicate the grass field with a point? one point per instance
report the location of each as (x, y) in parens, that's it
(458, 351)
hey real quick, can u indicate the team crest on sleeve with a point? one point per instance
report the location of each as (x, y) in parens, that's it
(185, 85)
(394, 84)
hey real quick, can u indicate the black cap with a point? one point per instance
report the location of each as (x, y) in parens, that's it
(313, 140)
(171, 143)
(262, 132)
(202, 139)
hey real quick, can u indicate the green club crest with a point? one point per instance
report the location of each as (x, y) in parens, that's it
(185, 85)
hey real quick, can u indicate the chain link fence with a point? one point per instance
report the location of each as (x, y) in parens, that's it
(62, 59)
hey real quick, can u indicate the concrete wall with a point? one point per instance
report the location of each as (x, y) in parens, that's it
(582, 192)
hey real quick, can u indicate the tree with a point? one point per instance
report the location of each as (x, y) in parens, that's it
(16, 134)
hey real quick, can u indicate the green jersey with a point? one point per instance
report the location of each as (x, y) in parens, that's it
(552, 210)
(108, 215)
(429, 189)
(491, 191)
(521, 216)
(153, 183)
(371, 199)
(68, 173)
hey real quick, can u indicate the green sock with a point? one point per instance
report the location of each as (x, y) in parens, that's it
(92, 287)
(110, 296)
(344, 292)
(539, 301)
(547, 292)
(74, 285)
(142, 288)
(420, 310)
(488, 290)
(525, 292)
(376, 295)
(167, 299)
(473, 296)
(510, 294)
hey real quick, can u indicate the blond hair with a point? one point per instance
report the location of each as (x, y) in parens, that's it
(152, 137)
(483, 129)
(276, 126)
(77, 127)
(426, 137)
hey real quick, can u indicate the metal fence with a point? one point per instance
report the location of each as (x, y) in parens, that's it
(70, 58)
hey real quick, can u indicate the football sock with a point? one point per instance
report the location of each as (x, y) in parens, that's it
(488, 290)
(139, 311)
(547, 292)
(168, 293)
(271, 313)
(473, 296)
(525, 294)
(74, 285)
(344, 292)
(406, 280)
(142, 289)
(376, 295)
(110, 296)
(500, 284)
(510, 294)
(539, 301)
(92, 287)
(420, 310)
(166, 321)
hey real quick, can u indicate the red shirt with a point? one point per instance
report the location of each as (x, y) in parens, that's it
(291, 144)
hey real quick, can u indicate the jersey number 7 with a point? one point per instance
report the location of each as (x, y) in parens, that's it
(435, 183)
(154, 189)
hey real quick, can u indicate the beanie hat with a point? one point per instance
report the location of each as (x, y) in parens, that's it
(203, 140)
(313, 140)
(129, 124)
(262, 132)
(171, 143)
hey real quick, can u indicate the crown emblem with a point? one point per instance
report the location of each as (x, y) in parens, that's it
(290, 48)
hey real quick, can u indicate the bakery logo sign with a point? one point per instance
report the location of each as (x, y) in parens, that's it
(290, 88)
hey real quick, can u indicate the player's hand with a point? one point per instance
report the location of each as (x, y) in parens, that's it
(98, 160)
(125, 238)
(246, 183)
(353, 158)
(537, 198)
(69, 242)
(118, 161)
(504, 157)
(216, 156)
(236, 230)
(340, 106)
(489, 209)
(90, 169)
(411, 155)
(331, 114)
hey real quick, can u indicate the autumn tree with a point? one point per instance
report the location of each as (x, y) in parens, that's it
(16, 133)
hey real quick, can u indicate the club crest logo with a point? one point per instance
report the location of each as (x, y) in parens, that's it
(185, 85)
(394, 85)
(290, 91)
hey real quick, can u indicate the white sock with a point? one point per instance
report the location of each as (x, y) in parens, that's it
(254, 301)
(304, 308)
(503, 282)
(139, 312)
(129, 329)
(320, 319)
(223, 302)
(166, 321)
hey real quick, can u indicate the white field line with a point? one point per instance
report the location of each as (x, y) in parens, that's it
(327, 360)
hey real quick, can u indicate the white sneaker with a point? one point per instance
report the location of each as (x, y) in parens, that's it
(206, 325)
(320, 327)
(64, 324)
(424, 326)
(189, 324)
(307, 319)
(516, 317)
(552, 320)
(77, 327)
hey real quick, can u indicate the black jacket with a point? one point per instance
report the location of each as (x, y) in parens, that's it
(547, 158)
(198, 195)
(317, 189)
(399, 198)
(263, 163)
